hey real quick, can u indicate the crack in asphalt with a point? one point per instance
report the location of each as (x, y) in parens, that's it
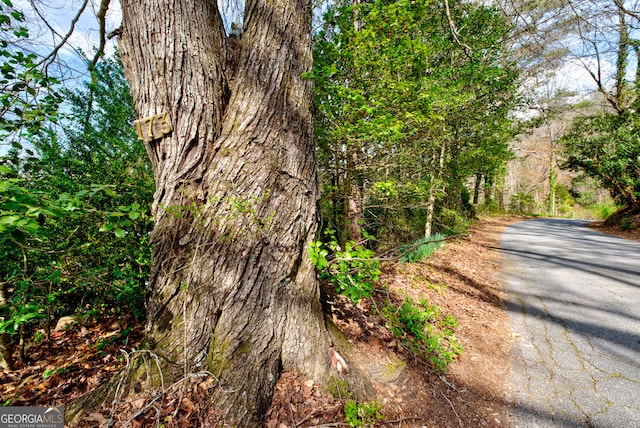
(575, 354)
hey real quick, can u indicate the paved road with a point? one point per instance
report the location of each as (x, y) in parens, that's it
(574, 305)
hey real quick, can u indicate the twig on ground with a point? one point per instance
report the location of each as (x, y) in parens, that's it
(454, 409)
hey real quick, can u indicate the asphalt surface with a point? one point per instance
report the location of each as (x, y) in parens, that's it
(574, 307)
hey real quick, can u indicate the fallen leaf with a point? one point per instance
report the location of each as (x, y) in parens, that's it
(96, 417)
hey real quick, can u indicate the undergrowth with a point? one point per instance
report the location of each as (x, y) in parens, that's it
(421, 250)
(362, 414)
(422, 327)
(425, 331)
(353, 270)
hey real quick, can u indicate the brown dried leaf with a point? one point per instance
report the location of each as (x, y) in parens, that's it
(96, 417)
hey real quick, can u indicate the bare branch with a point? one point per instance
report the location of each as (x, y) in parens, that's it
(454, 31)
(101, 15)
(50, 58)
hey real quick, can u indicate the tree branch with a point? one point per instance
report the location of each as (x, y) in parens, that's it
(49, 58)
(454, 31)
(101, 15)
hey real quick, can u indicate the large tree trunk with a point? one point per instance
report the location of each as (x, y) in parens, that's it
(232, 290)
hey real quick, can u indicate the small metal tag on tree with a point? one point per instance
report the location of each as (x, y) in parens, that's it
(153, 127)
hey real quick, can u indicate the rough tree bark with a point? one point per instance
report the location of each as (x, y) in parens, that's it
(232, 290)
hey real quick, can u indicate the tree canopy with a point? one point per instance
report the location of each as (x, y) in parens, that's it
(409, 108)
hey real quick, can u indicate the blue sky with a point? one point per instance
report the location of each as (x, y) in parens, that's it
(58, 14)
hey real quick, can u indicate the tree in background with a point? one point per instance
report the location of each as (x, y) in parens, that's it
(421, 92)
(554, 38)
(607, 147)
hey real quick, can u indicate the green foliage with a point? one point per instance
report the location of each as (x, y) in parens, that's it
(422, 251)
(426, 332)
(60, 370)
(120, 337)
(607, 147)
(23, 315)
(338, 388)
(522, 203)
(563, 200)
(451, 222)
(362, 414)
(405, 112)
(604, 210)
(21, 211)
(28, 97)
(629, 223)
(352, 270)
(25, 217)
(100, 146)
(592, 201)
(75, 213)
(585, 189)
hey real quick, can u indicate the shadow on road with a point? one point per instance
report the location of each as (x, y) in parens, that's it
(591, 330)
(573, 298)
(599, 269)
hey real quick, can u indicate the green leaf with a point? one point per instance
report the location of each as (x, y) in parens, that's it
(107, 227)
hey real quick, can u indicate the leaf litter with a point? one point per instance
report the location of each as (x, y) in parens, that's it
(460, 278)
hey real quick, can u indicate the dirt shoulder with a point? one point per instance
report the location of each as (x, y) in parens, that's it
(461, 279)
(633, 234)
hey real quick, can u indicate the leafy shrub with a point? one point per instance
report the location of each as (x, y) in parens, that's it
(452, 222)
(425, 331)
(421, 251)
(86, 180)
(604, 210)
(352, 270)
(629, 223)
(522, 203)
(363, 414)
(606, 147)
